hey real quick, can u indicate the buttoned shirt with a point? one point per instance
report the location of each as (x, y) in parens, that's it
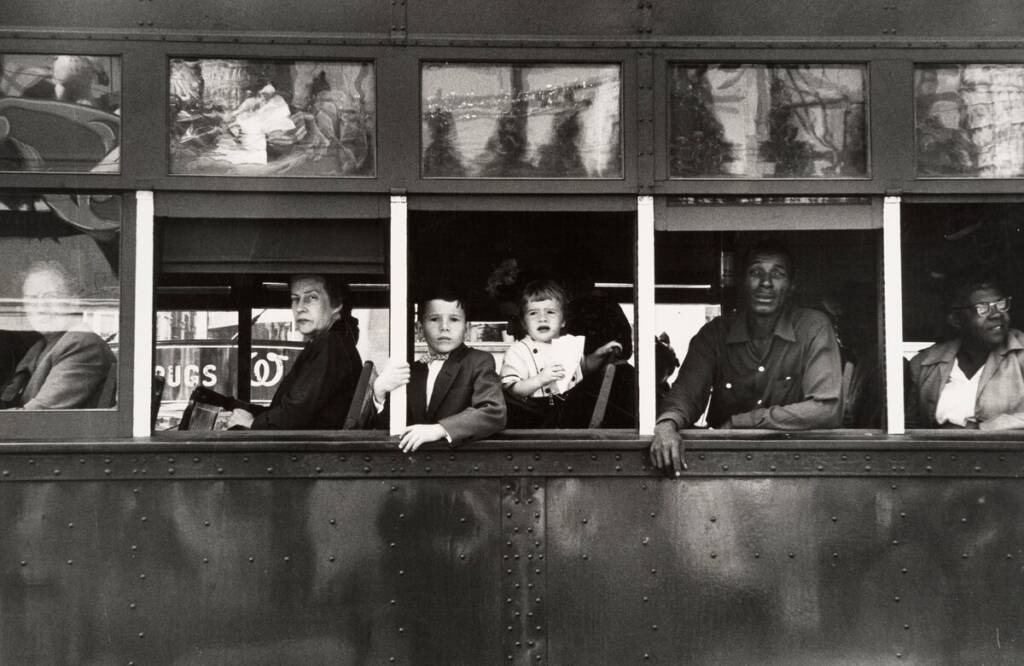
(526, 358)
(957, 398)
(795, 384)
(999, 402)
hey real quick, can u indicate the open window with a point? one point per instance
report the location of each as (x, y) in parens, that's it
(830, 312)
(962, 276)
(224, 320)
(494, 255)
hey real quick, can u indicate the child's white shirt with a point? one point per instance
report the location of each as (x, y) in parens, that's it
(527, 357)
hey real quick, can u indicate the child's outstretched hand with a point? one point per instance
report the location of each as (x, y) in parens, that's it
(395, 373)
(612, 347)
(421, 433)
(551, 374)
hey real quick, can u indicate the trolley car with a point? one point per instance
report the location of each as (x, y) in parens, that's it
(180, 160)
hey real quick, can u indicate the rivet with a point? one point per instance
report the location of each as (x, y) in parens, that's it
(700, 456)
(654, 571)
(287, 559)
(895, 542)
(70, 562)
(70, 525)
(725, 468)
(964, 556)
(654, 627)
(144, 519)
(132, 605)
(977, 468)
(142, 576)
(749, 457)
(105, 471)
(835, 518)
(906, 626)
(903, 570)
(251, 559)
(508, 458)
(220, 470)
(821, 468)
(529, 468)
(593, 457)
(270, 470)
(206, 560)
(927, 468)
(896, 598)
(56, 472)
(367, 469)
(772, 468)
(584, 521)
(318, 469)
(170, 470)
(24, 563)
(792, 555)
(714, 556)
(568, 468)
(6, 473)
(585, 556)
(142, 634)
(867, 468)
(653, 514)
(476, 468)
(331, 558)
(246, 459)
(757, 555)
(835, 555)
(206, 523)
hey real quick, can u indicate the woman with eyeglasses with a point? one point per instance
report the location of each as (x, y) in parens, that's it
(975, 380)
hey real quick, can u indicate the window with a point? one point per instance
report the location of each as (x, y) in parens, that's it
(815, 285)
(59, 325)
(581, 264)
(60, 113)
(969, 120)
(224, 323)
(234, 117)
(521, 121)
(961, 285)
(767, 121)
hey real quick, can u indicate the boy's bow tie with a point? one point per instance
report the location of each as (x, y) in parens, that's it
(431, 356)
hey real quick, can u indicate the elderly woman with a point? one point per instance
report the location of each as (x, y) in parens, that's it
(316, 392)
(70, 367)
(975, 380)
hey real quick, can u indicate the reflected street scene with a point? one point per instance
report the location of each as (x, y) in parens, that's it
(60, 113)
(272, 118)
(521, 121)
(767, 121)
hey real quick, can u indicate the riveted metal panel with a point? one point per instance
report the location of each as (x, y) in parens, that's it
(524, 580)
(785, 571)
(253, 572)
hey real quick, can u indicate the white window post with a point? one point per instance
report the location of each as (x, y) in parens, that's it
(142, 330)
(398, 258)
(645, 323)
(892, 278)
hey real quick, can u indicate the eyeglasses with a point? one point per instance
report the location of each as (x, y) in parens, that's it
(983, 309)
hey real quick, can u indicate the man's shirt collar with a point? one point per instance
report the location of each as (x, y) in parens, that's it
(739, 333)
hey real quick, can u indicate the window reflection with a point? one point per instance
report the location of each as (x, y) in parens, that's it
(272, 118)
(60, 113)
(970, 120)
(521, 121)
(767, 121)
(59, 301)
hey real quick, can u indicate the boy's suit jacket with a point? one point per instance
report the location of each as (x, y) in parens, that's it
(467, 399)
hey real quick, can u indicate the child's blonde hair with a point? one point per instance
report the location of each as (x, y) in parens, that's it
(541, 290)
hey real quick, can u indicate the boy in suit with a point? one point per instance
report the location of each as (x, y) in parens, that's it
(454, 392)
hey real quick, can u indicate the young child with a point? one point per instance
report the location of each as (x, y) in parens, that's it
(531, 371)
(454, 392)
